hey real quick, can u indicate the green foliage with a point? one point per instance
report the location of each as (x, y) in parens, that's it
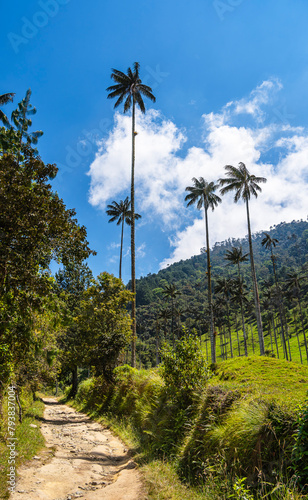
(104, 323)
(22, 122)
(241, 492)
(184, 369)
(300, 450)
(239, 428)
(35, 228)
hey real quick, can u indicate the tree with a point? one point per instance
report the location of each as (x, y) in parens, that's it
(22, 122)
(130, 87)
(105, 324)
(4, 99)
(236, 256)
(71, 283)
(121, 213)
(245, 185)
(240, 297)
(293, 284)
(35, 228)
(269, 244)
(203, 193)
(171, 292)
(223, 286)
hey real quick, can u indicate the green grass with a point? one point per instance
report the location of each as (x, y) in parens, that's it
(285, 382)
(29, 439)
(253, 347)
(243, 423)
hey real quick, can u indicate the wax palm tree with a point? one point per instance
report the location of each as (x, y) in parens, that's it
(293, 284)
(203, 193)
(223, 286)
(4, 99)
(245, 185)
(121, 213)
(171, 292)
(239, 296)
(130, 89)
(269, 243)
(236, 256)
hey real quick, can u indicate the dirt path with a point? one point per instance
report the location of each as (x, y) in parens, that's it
(83, 460)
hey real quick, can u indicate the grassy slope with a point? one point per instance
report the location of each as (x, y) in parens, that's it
(286, 382)
(256, 381)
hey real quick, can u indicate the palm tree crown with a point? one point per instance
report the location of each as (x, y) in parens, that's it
(241, 181)
(203, 193)
(121, 213)
(129, 87)
(269, 242)
(236, 256)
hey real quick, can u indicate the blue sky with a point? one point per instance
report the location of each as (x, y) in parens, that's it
(231, 82)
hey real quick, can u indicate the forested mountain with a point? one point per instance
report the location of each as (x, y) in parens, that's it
(154, 318)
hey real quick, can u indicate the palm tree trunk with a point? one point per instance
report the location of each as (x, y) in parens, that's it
(209, 285)
(244, 329)
(121, 249)
(229, 329)
(302, 322)
(278, 291)
(132, 198)
(296, 332)
(255, 286)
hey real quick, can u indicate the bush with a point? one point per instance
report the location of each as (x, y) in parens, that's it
(184, 369)
(300, 450)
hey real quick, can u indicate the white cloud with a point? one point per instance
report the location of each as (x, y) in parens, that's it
(163, 172)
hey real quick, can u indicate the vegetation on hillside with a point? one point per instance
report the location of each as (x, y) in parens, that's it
(246, 420)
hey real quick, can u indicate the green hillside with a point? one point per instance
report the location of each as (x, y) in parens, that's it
(154, 318)
(239, 430)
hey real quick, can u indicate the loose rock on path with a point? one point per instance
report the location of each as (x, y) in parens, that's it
(83, 460)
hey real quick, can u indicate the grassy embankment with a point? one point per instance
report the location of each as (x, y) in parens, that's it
(29, 439)
(234, 439)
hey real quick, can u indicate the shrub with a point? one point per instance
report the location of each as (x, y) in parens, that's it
(300, 450)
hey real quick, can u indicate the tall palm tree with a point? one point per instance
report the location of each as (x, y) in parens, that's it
(239, 296)
(236, 256)
(245, 185)
(4, 99)
(121, 213)
(269, 243)
(293, 284)
(203, 193)
(171, 292)
(223, 286)
(130, 88)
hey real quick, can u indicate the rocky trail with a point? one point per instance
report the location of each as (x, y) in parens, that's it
(82, 460)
